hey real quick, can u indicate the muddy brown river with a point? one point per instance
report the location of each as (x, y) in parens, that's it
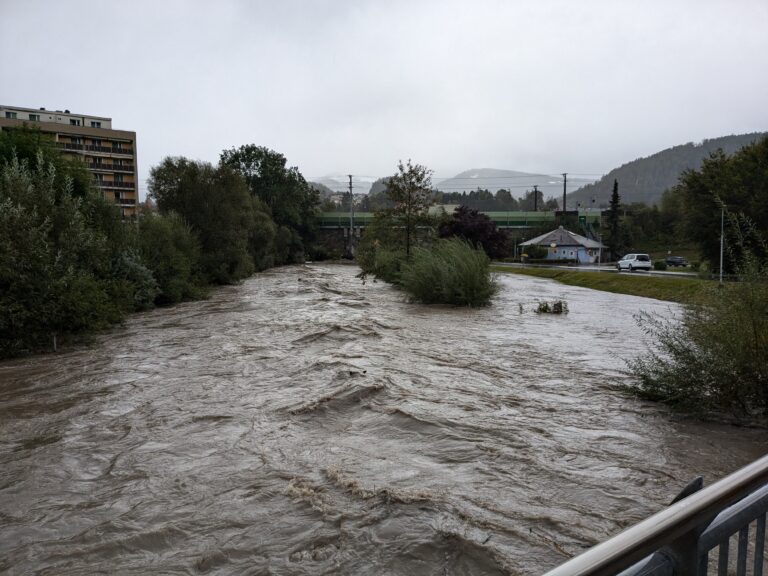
(305, 423)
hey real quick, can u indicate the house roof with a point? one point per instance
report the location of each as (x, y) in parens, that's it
(562, 237)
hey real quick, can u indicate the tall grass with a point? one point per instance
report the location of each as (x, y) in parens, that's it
(450, 271)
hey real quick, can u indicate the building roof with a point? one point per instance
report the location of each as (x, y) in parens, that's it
(43, 110)
(562, 237)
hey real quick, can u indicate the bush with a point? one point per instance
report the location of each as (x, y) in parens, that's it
(659, 265)
(318, 253)
(449, 272)
(554, 307)
(171, 251)
(716, 358)
(55, 275)
(535, 252)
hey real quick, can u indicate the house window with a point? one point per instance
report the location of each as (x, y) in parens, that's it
(11, 115)
(95, 124)
(73, 122)
(34, 117)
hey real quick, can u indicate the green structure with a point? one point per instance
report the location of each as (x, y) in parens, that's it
(512, 220)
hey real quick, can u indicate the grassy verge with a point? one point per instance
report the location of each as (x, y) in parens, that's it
(681, 290)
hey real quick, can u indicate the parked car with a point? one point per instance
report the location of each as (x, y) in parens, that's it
(633, 262)
(676, 261)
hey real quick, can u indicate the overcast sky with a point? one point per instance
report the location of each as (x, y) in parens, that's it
(353, 86)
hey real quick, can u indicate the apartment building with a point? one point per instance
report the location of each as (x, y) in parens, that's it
(109, 154)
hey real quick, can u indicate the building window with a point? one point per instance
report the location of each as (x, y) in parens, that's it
(73, 122)
(95, 124)
(117, 145)
(11, 115)
(34, 117)
(96, 142)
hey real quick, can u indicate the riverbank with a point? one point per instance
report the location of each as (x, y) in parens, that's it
(680, 290)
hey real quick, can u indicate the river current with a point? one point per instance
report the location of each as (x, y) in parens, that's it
(306, 423)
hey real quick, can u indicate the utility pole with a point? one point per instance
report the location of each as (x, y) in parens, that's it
(351, 215)
(565, 184)
(535, 197)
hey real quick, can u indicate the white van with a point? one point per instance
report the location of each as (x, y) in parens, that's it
(634, 262)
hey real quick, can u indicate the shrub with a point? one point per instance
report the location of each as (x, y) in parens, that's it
(171, 251)
(535, 252)
(55, 277)
(659, 265)
(554, 307)
(449, 272)
(716, 358)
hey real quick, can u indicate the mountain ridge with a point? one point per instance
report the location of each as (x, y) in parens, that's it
(646, 179)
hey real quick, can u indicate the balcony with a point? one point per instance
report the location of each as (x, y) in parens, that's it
(91, 148)
(110, 167)
(105, 184)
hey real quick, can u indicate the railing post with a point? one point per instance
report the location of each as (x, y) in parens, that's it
(684, 551)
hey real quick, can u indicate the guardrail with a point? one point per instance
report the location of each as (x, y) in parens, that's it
(678, 539)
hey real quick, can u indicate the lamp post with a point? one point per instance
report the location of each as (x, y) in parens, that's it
(722, 230)
(599, 251)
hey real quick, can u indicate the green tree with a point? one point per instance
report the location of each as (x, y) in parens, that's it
(292, 202)
(172, 252)
(55, 269)
(410, 191)
(217, 205)
(616, 239)
(478, 229)
(30, 144)
(527, 202)
(737, 183)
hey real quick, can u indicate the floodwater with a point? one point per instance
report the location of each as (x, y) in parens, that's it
(305, 423)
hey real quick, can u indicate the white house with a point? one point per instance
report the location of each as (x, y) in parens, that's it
(562, 244)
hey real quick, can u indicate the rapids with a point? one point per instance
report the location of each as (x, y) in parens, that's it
(306, 423)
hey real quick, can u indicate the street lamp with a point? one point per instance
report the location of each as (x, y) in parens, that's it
(722, 230)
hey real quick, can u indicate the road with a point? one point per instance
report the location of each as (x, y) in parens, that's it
(601, 268)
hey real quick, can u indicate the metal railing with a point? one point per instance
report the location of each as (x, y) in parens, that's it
(92, 148)
(106, 184)
(678, 539)
(110, 167)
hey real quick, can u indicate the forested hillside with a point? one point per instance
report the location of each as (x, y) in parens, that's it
(645, 179)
